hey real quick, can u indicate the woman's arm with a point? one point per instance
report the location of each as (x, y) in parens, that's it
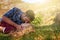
(7, 20)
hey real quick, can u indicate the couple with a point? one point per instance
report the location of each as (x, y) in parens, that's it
(16, 20)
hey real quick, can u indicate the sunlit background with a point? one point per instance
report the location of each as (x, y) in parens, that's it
(36, 1)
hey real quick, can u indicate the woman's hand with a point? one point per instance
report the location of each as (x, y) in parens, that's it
(18, 27)
(25, 25)
(27, 28)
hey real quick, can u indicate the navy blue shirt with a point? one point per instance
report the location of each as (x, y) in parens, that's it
(15, 15)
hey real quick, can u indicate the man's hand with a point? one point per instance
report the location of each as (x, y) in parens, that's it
(27, 27)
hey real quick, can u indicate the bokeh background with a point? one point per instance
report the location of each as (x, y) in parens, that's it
(46, 22)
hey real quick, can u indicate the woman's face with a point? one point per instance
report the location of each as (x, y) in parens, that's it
(25, 18)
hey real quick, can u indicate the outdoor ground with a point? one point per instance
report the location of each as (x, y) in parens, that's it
(51, 32)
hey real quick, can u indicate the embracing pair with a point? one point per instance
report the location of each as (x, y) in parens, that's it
(16, 21)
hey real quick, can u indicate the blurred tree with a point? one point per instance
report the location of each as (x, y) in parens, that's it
(57, 18)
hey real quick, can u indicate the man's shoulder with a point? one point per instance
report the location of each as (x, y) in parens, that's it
(15, 8)
(18, 10)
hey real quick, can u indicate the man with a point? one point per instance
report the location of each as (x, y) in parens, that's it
(12, 20)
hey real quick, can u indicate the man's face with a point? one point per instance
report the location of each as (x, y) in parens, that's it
(25, 18)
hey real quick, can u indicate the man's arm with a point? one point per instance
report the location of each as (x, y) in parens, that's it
(7, 20)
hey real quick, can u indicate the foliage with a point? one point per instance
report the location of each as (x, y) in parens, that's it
(38, 19)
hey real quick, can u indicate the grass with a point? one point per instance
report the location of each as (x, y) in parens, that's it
(50, 32)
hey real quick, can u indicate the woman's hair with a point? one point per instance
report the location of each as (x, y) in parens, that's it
(30, 14)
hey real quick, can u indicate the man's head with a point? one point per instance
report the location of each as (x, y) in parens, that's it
(28, 16)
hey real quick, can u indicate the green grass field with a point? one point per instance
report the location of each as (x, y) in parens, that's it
(51, 32)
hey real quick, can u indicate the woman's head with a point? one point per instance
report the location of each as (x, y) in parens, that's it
(28, 16)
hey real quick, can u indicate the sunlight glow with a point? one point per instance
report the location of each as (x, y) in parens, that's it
(36, 1)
